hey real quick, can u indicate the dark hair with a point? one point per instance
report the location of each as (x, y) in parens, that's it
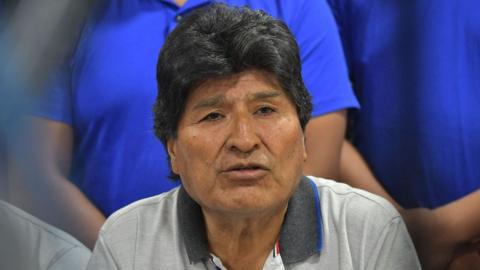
(217, 41)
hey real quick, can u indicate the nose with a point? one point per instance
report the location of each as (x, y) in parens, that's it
(243, 137)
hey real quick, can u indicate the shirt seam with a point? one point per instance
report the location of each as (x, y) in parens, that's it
(390, 209)
(59, 255)
(107, 248)
(390, 222)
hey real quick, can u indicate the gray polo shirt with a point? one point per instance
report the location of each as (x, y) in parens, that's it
(328, 225)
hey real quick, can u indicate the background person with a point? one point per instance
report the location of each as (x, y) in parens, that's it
(415, 68)
(28, 243)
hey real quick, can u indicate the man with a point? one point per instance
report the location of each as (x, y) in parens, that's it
(231, 111)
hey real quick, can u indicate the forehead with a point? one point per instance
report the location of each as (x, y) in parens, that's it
(238, 86)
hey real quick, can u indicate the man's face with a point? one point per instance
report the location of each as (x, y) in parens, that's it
(239, 147)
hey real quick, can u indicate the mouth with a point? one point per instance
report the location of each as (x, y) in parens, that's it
(245, 167)
(245, 172)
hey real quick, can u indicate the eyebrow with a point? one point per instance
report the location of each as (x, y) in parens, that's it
(209, 102)
(265, 95)
(215, 100)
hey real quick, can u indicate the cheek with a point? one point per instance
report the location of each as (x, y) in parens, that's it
(197, 153)
(196, 163)
(286, 137)
(296, 145)
(286, 142)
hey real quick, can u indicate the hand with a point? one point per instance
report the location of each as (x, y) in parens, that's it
(434, 242)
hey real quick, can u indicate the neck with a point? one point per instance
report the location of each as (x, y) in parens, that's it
(243, 242)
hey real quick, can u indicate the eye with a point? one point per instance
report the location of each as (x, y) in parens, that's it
(265, 110)
(213, 116)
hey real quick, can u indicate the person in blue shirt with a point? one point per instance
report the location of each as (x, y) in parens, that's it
(415, 67)
(98, 151)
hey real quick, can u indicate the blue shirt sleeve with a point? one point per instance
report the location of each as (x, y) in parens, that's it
(323, 64)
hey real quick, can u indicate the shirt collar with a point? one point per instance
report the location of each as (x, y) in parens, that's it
(300, 235)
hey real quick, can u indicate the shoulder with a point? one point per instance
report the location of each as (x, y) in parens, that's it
(342, 199)
(362, 228)
(137, 231)
(147, 222)
(39, 242)
(141, 212)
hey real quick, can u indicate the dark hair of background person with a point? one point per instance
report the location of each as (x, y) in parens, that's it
(218, 41)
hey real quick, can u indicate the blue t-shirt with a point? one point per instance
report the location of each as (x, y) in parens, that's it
(415, 67)
(107, 90)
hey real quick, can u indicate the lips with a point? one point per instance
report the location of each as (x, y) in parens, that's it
(245, 171)
(245, 166)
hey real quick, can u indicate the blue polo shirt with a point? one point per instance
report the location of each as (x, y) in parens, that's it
(106, 91)
(415, 67)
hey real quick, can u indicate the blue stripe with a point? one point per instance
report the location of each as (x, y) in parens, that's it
(318, 214)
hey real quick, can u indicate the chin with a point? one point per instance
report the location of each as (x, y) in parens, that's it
(249, 205)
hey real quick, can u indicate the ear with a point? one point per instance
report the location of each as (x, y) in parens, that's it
(172, 149)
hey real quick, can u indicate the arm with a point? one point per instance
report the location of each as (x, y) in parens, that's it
(326, 77)
(324, 137)
(39, 163)
(355, 172)
(446, 236)
(462, 218)
(423, 225)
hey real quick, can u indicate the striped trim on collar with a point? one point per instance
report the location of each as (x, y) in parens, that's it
(300, 235)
